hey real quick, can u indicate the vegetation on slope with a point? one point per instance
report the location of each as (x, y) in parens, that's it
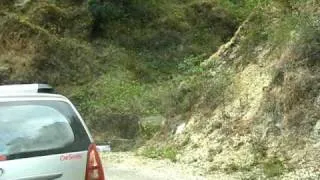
(124, 57)
(262, 88)
(244, 107)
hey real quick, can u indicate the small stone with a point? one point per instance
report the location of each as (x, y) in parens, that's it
(180, 128)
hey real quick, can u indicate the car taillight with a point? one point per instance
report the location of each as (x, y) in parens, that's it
(94, 167)
(3, 158)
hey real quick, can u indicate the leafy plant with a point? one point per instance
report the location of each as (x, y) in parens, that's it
(191, 65)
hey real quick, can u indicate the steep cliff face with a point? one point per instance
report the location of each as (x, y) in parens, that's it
(266, 123)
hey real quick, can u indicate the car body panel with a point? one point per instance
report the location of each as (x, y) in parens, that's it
(68, 166)
(65, 166)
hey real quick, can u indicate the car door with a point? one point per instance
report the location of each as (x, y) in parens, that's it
(41, 140)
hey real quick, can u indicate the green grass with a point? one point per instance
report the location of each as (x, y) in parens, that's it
(136, 61)
(172, 33)
(114, 93)
(146, 61)
(161, 153)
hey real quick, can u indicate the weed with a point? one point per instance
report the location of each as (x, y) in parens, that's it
(232, 168)
(191, 65)
(273, 167)
(161, 153)
(259, 149)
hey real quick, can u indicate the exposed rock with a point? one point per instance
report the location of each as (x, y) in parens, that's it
(316, 130)
(22, 3)
(268, 113)
(180, 128)
(151, 125)
(153, 121)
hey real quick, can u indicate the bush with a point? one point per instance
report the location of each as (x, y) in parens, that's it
(308, 46)
(51, 18)
(6, 2)
(105, 12)
(191, 65)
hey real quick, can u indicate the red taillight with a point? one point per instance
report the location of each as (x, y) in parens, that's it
(3, 158)
(94, 167)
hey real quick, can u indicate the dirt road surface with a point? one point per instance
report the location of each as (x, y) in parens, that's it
(127, 166)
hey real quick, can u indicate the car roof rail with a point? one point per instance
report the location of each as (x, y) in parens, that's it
(27, 88)
(45, 88)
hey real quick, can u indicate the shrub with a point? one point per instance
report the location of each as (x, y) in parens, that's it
(105, 12)
(191, 65)
(6, 2)
(51, 18)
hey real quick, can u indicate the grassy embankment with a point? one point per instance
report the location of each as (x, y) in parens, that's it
(133, 64)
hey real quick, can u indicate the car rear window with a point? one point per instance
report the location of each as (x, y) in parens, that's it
(39, 128)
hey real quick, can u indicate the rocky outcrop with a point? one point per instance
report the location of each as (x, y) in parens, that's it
(151, 125)
(267, 125)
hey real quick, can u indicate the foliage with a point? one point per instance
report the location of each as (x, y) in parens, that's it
(163, 33)
(148, 131)
(146, 58)
(161, 153)
(6, 2)
(106, 12)
(113, 95)
(191, 65)
(103, 11)
(308, 47)
(273, 167)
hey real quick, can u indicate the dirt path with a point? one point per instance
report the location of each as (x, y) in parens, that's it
(124, 166)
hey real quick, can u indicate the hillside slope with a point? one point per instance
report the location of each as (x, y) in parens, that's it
(36, 45)
(117, 60)
(251, 109)
(258, 112)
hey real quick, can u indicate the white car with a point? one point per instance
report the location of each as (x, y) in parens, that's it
(43, 137)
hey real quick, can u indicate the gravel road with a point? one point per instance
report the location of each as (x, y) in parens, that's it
(127, 166)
